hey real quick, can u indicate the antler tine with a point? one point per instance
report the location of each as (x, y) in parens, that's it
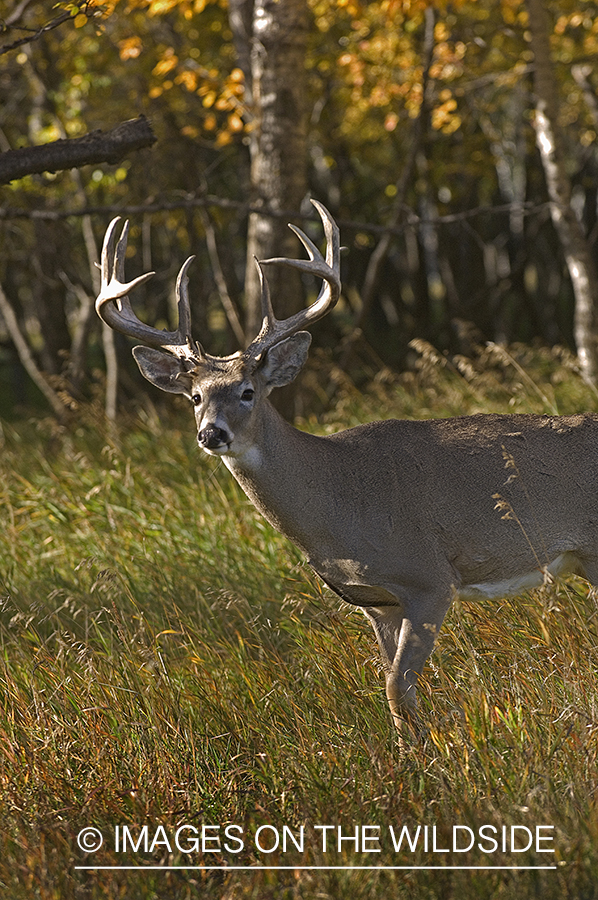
(182, 293)
(328, 268)
(114, 307)
(273, 330)
(268, 319)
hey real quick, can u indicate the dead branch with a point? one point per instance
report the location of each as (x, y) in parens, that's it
(96, 147)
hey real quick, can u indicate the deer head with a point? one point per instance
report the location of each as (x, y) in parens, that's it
(224, 389)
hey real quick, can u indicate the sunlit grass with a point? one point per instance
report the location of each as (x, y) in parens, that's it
(167, 658)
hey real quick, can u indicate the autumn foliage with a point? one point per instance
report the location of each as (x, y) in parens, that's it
(420, 119)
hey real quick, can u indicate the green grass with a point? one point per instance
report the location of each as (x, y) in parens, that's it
(167, 659)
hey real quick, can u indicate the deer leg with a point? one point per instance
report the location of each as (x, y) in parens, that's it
(391, 629)
(386, 622)
(405, 642)
(414, 646)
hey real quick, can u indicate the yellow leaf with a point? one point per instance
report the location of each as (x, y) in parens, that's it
(165, 65)
(391, 121)
(188, 79)
(235, 123)
(80, 20)
(130, 48)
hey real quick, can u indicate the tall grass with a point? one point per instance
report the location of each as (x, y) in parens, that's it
(167, 659)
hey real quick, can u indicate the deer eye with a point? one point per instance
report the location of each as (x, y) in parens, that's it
(196, 398)
(247, 394)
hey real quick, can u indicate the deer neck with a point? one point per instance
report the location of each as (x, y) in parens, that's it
(275, 471)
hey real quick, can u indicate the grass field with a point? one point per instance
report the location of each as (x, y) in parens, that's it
(168, 663)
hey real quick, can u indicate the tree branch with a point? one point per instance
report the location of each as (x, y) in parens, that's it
(229, 307)
(49, 26)
(412, 219)
(95, 147)
(13, 17)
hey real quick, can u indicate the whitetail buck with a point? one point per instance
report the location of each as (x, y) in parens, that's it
(398, 517)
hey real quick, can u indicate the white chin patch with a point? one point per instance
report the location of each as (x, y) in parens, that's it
(216, 451)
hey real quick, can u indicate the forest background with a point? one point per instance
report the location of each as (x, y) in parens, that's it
(418, 124)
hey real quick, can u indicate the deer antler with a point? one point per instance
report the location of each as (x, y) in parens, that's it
(274, 330)
(114, 307)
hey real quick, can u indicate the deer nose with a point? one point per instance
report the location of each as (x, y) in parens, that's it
(212, 437)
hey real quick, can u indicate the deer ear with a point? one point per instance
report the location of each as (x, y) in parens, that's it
(163, 370)
(283, 361)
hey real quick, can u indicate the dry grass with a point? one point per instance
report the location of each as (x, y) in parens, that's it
(166, 658)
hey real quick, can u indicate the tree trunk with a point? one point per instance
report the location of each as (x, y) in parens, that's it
(276, 89)
(278, 148)
(48, 296)
(240, 17)
(27, 360)
(582, 270)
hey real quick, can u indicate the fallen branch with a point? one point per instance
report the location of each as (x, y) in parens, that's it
(96, 147)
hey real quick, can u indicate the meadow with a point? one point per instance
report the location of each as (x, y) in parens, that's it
(170, 663)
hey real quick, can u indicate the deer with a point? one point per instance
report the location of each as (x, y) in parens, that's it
(398, 517)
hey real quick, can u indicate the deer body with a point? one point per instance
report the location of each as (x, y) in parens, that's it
(398, 517)
(410, 507)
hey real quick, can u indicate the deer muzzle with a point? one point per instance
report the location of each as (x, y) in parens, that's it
(213, 438)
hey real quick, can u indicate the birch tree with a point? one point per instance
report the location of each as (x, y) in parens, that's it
(271, 41)
(549, 138)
